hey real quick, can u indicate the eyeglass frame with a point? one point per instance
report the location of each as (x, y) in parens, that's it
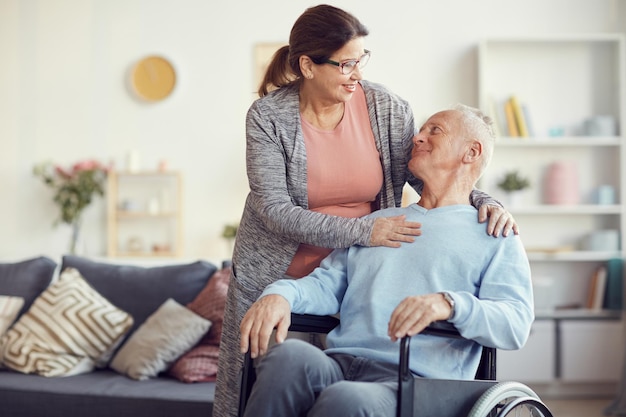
(357, 62)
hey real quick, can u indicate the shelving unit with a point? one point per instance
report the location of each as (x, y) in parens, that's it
(563, 81)
(144, 211)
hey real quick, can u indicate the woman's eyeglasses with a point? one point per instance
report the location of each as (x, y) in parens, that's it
(347, 67)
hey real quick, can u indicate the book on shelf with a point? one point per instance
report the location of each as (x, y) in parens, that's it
(518, 117)
(510, 119)
(597, 289)
(529, 125)
(614, 284)
(498, 128)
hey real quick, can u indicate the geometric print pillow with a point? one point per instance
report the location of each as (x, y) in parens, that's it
(9, 309)
(68, 330)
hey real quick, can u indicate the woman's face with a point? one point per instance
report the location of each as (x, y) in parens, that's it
(329, 83)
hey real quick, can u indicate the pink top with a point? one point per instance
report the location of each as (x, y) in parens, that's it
(344, 174)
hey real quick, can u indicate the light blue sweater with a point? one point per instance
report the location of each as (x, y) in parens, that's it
(488, 278)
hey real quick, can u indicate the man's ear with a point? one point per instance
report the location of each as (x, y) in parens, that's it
(474, 151)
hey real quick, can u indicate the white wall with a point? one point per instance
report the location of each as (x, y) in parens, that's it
(63, 93)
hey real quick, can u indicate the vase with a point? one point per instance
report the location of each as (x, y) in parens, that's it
(74, 240)
(514, 198)
(561, 183)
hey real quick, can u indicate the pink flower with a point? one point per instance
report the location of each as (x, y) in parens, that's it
(62, 172)
(87, 165)
(74, 188)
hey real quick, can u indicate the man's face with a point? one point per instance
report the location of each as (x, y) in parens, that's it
(439, 145)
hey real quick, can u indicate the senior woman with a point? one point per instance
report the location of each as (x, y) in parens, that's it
(324, 148)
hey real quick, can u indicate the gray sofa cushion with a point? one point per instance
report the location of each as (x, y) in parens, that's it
(102, 393)
(26, 279)
(140, 291)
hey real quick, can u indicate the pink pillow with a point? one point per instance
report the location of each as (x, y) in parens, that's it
(200, 363)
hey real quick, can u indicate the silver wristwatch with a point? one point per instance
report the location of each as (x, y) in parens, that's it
(450, 300)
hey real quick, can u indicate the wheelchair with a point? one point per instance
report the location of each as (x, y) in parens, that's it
(425, 397)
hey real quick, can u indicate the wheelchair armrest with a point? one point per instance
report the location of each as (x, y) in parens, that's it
(310, 323)
(486, 369)
(442, 328)
(438, 328)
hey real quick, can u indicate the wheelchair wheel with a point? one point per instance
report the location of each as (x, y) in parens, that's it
(509, 399)
(525, 406)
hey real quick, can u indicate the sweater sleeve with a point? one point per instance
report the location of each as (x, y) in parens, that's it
(320, 292)
(502, 313)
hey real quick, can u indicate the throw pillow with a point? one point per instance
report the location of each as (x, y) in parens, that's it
(9, 309)
(68, 330)
(160, 340)
(200, 363)
(26, 279)
(139, 290)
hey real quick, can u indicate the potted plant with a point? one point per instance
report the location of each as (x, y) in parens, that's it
(512, 183)
(74, 190)
(229, 233)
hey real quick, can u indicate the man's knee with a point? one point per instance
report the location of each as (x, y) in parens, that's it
(292, 350)
(356, 399)
(290, 358)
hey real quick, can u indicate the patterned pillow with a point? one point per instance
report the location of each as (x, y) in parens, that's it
(140, 291)
(69, 329)
(168, 333)
(9, 309)
(200, 363)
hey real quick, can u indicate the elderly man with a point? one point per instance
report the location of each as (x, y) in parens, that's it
(453, 272)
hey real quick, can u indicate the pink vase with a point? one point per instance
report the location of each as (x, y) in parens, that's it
(561, 184)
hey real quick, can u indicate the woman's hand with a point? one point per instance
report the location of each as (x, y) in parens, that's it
(392, 231)
(500, 220)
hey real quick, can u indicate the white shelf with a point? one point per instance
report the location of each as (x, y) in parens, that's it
(122, 214)
(578, 314)
(571, 255)
(554, 142)
(563, 81)
(558, 210)
(144, 214)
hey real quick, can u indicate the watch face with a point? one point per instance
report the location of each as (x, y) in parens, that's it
(153, 78)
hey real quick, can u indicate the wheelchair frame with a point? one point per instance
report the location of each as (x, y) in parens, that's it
(482, 397)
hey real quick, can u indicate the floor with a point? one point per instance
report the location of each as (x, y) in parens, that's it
(578, 408)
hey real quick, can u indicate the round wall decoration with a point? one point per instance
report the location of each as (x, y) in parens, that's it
(153, 78)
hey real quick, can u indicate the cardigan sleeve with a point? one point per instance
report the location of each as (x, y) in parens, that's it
(479, 198)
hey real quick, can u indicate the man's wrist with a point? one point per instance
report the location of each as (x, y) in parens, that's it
(448, 298)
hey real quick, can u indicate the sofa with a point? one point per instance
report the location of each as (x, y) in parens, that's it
(88, 338)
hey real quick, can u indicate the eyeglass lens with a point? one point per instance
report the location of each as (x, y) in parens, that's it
(349, 66)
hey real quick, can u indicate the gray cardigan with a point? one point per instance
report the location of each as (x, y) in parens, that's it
(276, 218)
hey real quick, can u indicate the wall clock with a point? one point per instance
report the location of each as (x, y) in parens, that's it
(153, 78)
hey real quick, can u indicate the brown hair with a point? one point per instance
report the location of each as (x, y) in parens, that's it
(318, 33)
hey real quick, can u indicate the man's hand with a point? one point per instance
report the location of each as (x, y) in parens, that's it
(269, 312)
(416, 313)
(500, 220)
(392, 231)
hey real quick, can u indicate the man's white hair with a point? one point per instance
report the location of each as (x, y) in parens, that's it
(479, 126)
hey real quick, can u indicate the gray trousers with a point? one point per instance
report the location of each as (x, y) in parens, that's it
(297, 379)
